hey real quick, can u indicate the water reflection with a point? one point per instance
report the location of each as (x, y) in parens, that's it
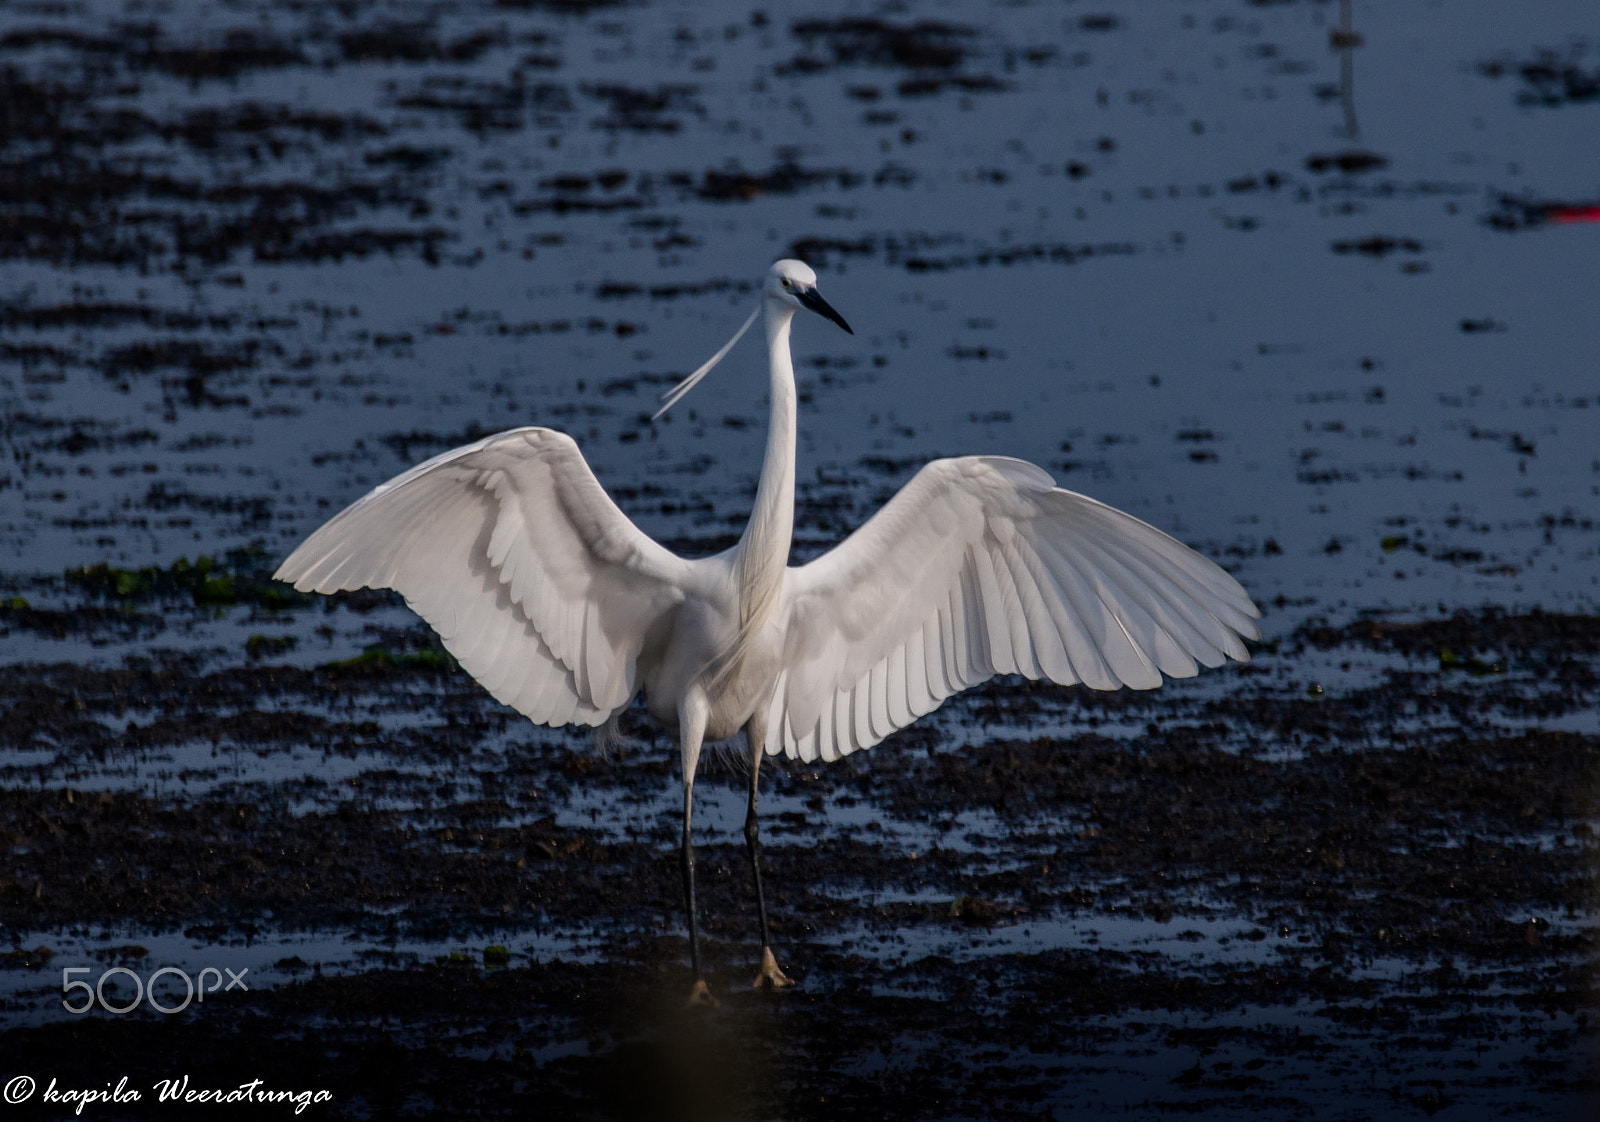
(1345, 39)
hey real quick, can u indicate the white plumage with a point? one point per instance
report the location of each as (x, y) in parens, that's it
(982, 566)
(564, 610)
(535, 581)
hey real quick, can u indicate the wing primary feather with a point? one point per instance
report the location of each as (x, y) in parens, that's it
(598, 654)
(564, 708)
(1232, 606)
(449, 537)
(499, 633)
(1016, 614)
(982, 665)
(933, 657)
(1129, 648)
(947, 644)
(775, 741)
(897, 697)
(808, 744)
(1200, 568)
(1040, 601)
(545, 679)
(840, 727)
(579, 642)
(861, 707)
(1183, 619)
(1191, 599)
(335, 581)
(878, 689)
(997, 628)
(918, 699)
(421, 513)
(535, 673)
(1077, 629)
(960, 644)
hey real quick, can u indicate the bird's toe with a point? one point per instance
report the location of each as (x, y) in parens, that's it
(700, 996)
(770, 976)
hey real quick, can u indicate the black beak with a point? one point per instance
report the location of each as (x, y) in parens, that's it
(810, 298)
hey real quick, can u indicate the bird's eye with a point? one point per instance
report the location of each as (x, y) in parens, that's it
(787, 283)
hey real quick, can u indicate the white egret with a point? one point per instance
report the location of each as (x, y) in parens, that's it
(564, 610)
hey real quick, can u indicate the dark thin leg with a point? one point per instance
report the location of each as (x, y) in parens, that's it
(752, 841)
(770, 975)
(687, 861)
(691, 726)
(1347, 41)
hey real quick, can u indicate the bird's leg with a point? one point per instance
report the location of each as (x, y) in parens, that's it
(691, 728)
(769, 975)
(700, 994)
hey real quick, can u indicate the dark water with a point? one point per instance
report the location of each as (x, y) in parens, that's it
(1326, 315)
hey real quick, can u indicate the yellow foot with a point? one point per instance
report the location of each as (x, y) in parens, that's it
(770, 977)
(701, 995)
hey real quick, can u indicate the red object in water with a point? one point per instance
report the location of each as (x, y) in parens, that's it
(1566, 214)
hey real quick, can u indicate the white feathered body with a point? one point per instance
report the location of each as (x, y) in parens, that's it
(551, 598)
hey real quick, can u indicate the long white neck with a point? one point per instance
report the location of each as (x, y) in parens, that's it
(764, 548)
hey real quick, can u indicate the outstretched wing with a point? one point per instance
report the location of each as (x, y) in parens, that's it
(541, 588)
(982, 566)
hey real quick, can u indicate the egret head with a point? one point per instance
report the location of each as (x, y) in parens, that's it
(794, 284)
(790, 285)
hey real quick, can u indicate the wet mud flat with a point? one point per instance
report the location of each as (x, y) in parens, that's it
(1352, 879)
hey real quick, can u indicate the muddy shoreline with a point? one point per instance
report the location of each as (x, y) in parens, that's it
(1396, 873)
